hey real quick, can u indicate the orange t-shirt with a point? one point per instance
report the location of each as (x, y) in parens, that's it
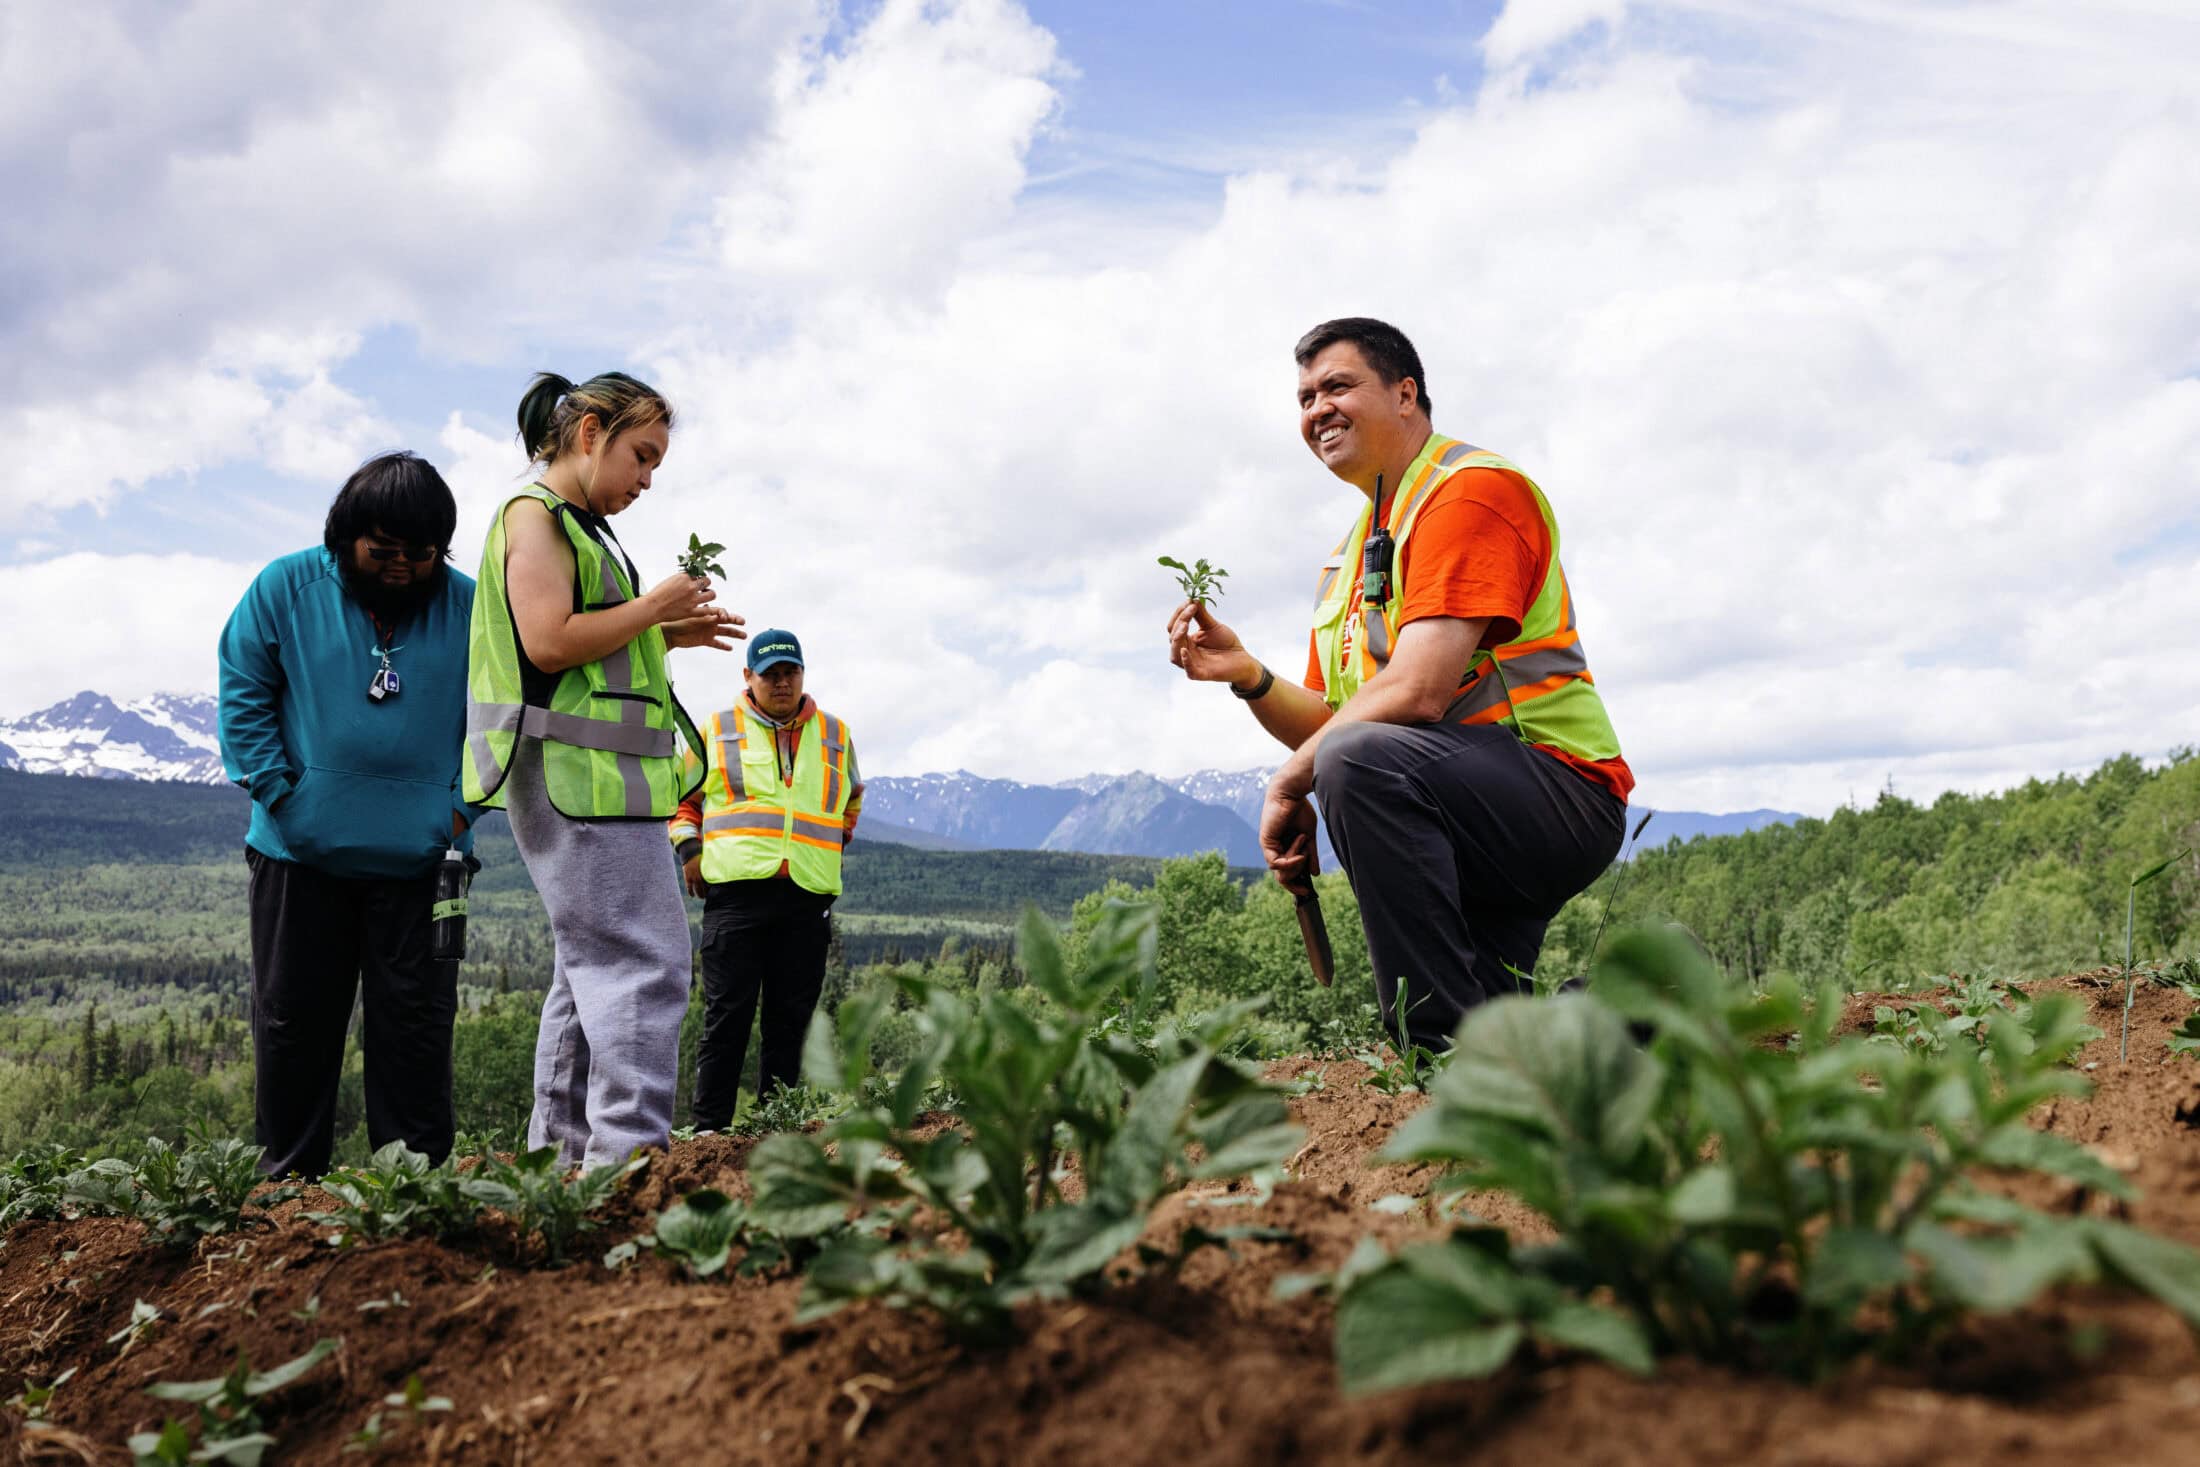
(1479, 548)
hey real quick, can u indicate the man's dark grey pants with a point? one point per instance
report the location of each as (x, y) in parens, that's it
(315, 939)
(1461, 844)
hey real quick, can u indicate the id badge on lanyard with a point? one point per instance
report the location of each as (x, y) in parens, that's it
(385, 683)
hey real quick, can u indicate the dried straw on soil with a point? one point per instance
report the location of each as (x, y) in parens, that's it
(579, 1365)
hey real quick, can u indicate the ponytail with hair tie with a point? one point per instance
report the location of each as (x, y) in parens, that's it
(551, 409)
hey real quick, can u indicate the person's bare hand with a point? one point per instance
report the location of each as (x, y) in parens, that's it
(1287, 839)
(679, 597)
(1208, 651)
(691, 871)
(713, 627)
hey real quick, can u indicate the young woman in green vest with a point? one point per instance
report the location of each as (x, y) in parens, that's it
(572, 728)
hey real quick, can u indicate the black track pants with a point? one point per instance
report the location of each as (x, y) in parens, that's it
(315, 940)
(1461, 844)
(764, 944)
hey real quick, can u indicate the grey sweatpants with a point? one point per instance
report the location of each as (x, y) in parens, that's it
(608, 1052)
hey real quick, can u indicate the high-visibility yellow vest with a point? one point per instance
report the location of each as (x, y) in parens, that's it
(753, 820)
(608, 750)
(1538, 684)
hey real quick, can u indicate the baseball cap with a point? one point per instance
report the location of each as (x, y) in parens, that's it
(773, 646)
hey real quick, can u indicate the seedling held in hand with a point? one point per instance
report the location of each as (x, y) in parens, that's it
(1200, 581)
(700, 559)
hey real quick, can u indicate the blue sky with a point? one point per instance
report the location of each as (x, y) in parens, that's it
(1853, 344)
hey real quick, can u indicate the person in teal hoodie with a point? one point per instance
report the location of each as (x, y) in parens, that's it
(343, 712)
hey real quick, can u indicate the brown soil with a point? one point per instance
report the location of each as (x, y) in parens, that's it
(582, 1365)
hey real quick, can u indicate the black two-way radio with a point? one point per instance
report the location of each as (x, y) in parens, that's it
(1376, 555)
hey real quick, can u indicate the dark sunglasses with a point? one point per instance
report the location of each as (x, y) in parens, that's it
(413, 553)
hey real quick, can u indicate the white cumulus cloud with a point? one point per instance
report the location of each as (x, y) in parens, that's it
(1854, 347)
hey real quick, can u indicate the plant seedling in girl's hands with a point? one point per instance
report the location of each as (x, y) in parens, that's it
(701, 559)
(1201, 582)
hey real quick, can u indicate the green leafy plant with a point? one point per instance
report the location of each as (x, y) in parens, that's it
(1199, 581)
(2131, 911)
(107, 1187)
(2185, 1039)
(701, 1231)
(184, 1194)
(400, 1410)
(2182, 974)
(228, 1419)
(534, 1191)
(201, 1190)
(143, 1317)
(1395, 1064)
(35, 1401)
(1980, 1004)
(969, 1219)
(1754, 1205)
(34, 1183)
(701, 558)
(789, 1108)
(397, 1192)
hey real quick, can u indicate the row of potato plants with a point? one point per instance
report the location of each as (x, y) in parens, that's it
(211, 1187)
(1725, 1176)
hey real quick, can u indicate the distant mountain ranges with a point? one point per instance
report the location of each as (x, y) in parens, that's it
(167, 736)
(172, 737)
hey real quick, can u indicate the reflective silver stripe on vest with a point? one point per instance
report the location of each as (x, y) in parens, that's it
(633, 779)
(1377, 631)
(483, 719)
(1494, 686)
(1330, 568)
(771, 820)
(593, 733)
(833, 740)
(618, 667)
(737, 785)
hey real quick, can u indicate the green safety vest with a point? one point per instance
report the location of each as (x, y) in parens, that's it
(1538, 684)
(753, 820)
(608, 749)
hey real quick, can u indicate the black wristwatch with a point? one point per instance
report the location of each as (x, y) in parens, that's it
(1260, 689)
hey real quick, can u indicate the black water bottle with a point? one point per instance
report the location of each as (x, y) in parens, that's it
(447, 918)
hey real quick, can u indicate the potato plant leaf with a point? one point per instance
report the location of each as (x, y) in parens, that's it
(1199, 581)
(701, 558)
(1677, 1178)
(977, 1210)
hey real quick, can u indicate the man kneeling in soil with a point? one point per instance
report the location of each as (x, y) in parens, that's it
(1467, 772)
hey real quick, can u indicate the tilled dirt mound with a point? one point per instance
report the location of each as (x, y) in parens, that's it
(582, 1365)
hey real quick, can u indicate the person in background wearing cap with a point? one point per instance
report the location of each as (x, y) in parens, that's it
(760, 842)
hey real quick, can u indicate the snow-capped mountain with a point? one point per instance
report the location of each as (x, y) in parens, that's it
(1000, 814)
(171, 736)
(1107, 814)
(166, 736)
